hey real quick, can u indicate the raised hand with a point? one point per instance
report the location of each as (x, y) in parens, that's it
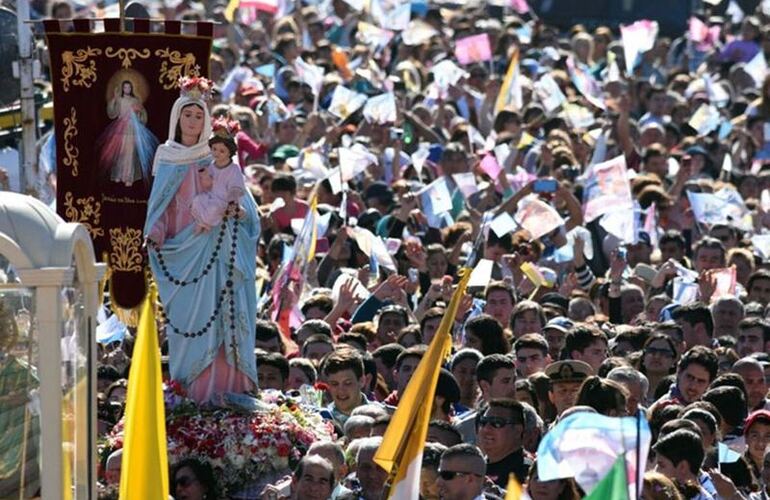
(578, 248)
(417, 255)
(724, 485)
(707, 285)
(617, 266)
(466, 302)
(408, 203)
(387, 288)
(347, 299)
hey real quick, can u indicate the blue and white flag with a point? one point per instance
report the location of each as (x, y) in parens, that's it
(726, 206)
(381, 109)
(391, 14)
(705, 119)
(586, 445)
(310, 74)
(707, 208)
(684, 291)
(111, 330)
(436, 200)
(727, 455)
(345, 102)
(374, 247)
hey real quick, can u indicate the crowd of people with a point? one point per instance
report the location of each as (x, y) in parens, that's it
(643, 292)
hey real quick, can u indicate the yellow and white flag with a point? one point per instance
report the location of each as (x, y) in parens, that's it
(510, 91)
(345, 102)
(514, 490)
(232, 5)
(402, 445)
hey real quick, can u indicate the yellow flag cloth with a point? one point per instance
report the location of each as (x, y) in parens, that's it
(402, 445)
(144, 468)
(535, 275)
(230, 9)
(513, 490)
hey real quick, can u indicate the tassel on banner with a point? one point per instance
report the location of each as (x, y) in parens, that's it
(127, 316)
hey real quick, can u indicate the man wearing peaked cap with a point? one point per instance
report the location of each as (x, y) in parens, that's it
(566, 377)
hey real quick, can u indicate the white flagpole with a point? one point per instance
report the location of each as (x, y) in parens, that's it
(27, 94)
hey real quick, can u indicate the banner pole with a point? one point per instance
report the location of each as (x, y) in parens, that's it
(122, 5)
(28, 170)
(639, 469)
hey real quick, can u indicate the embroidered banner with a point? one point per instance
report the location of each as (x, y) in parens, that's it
(113, 93)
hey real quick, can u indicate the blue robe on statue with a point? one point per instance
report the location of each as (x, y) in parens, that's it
(206, 285)
(189, 308)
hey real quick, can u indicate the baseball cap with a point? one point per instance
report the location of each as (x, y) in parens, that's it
(762, 416)
(284, 152)
(696, 150)
(561, 323)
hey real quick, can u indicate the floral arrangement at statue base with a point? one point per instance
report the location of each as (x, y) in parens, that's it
(250, 439)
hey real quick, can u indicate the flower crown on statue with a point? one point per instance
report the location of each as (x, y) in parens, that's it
(195, 87)
(222, 127)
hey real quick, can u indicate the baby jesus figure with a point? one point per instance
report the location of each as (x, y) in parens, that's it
(221, 183)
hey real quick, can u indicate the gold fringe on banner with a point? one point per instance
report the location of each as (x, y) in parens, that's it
(129, 317)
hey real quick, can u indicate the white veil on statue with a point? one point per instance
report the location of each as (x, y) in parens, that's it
(174, 152)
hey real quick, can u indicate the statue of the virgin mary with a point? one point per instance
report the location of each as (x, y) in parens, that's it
(205, 279)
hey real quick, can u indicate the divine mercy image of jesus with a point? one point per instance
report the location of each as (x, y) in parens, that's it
(127, 146)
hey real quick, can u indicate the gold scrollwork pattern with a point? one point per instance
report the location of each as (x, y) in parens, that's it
(77, 69)
(176, 66)
(125, 255)
(71, 152)
(86, 211)
(127, 55)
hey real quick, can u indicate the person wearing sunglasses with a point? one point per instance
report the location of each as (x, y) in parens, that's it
(193, 480)
(461, 473)
(496, 376)
(659, 357)
(500, 431)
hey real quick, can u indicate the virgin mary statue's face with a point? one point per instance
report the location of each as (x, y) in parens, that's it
(191, 121)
